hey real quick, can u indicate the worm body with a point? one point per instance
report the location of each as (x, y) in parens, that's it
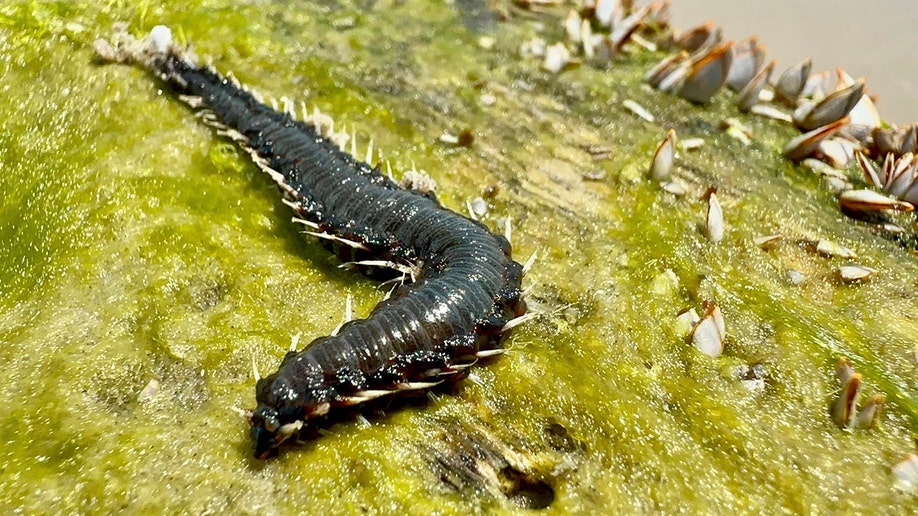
(466, 285)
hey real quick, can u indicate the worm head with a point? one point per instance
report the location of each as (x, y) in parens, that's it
(284, 407)
(268, 432)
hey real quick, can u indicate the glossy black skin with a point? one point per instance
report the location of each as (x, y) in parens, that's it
(467, 289)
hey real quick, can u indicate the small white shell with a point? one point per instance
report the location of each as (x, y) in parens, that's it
(829, 248)
(448, 138)
(845, 406)
(623, 30)
(160, 38)
(479, 206)
(707, 74)
(771, 112)
(837, 185)
(832, 108)
(714, 222)
(906, 473)
(700, 37)
(690, 144)
(795, 277)
(737, 130)
(674, 187)
(870, 413)
(748, 56)
(662, 163)
(706, 338)
(709, 333)
(865, 113)
(535, 47)
(806, 144)
(748, 97)
(587, 39)
(855, 273)
(606, 11)
(865, 201)
(572, 26)
(638, 110)
(792, 82)
(686, 321)
(767, 242)
(823, 168)
(836, 152)
(844, 370)
(149, 392)
(557, 56)
(665, 68)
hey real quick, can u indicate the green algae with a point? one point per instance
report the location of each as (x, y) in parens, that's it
(137, 246)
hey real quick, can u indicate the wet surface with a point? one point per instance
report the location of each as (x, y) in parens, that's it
(147, 265)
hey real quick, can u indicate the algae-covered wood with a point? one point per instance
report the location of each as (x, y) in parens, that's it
(145, 263)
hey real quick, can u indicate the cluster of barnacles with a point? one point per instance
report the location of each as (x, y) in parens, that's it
(845, 411)
(839, 124)
(599, 30)
(838, 119)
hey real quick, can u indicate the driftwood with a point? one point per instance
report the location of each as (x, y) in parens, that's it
(147, 263)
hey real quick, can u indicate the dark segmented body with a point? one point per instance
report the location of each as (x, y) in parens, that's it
(466, 289)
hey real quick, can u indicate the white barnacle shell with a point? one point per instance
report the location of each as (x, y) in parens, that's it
(700, 37)
(795, 277)
(709, 333)
(533, 48)
(572, 26)
(870, 412)
(748, 57)
(673, 187)
(690, 144)
(767, 242)
(606, 11)
(791, 83)
(864, 201)
(638, 110)
(896, 176)
(749, 95)
(557, 57)
(714, 222)
(707, 74)
(906, 473)
(149, 392)
(587, 40)
(832, 249)
(418, 180)
(806, 144)
(479, 206)
(769, 111)
(662, 163)
(737, 130)
(830, 109)
(844, 408)
(160, 39)
(855, 273)
(844, 370)
(665, 68)
(624, 29)
(685, 322)
(836, 151)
